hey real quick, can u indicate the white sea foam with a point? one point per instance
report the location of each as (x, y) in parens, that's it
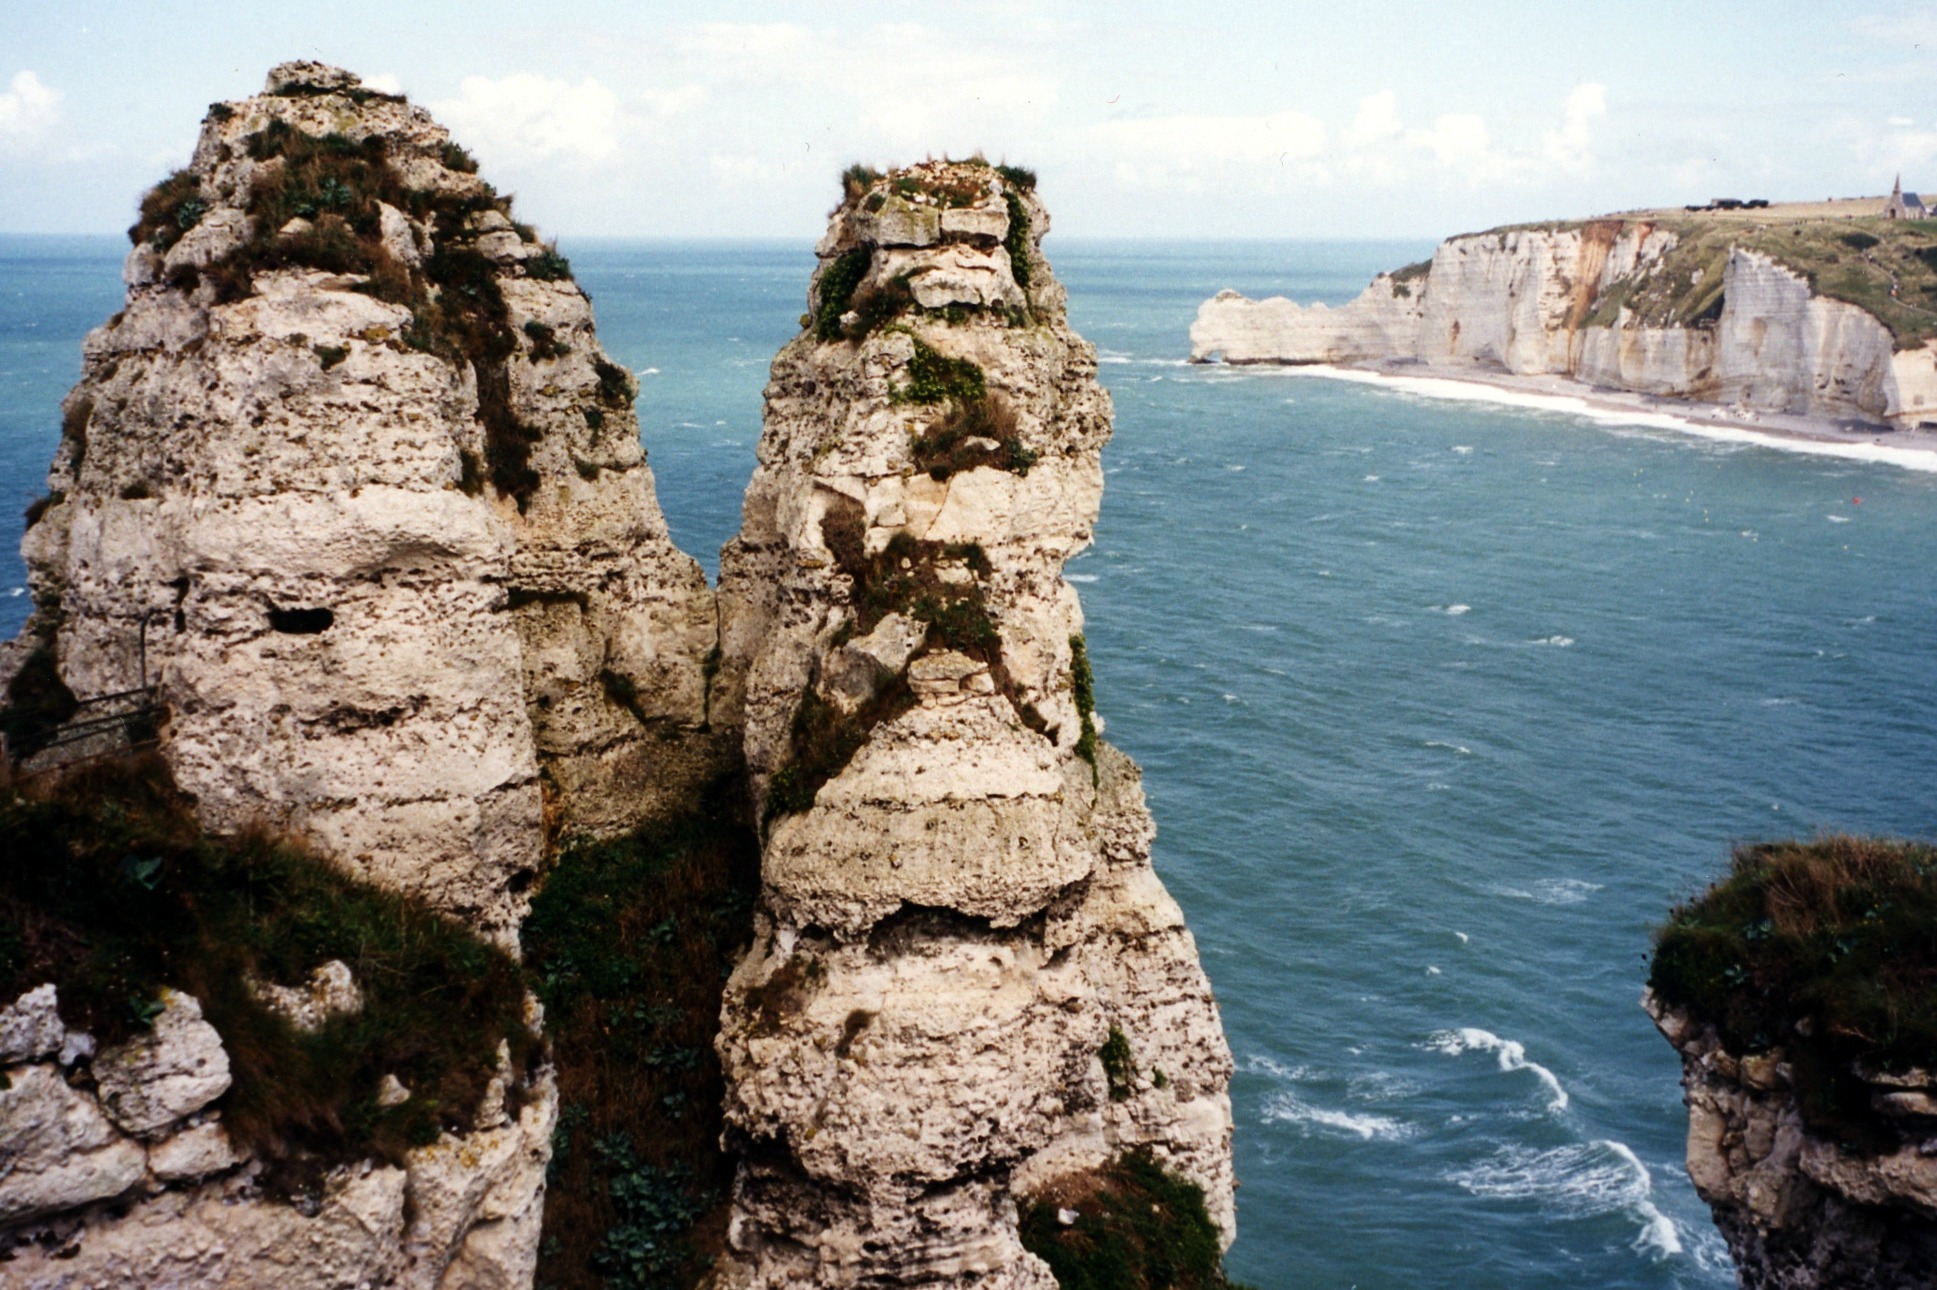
(1463, 937)
(1445, 388)
(1287, 1108)
(1584, 1180)
(1552, 891)
(1457, 610)
(1558, 642)
(1461, 749)
(1512, 1056)
(1837, 519)
(1080, 577)
(1258, 1064)
(1463, 449)
(650, 371)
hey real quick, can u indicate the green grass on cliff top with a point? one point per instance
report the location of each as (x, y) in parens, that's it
(1824, 949)
(1853, 260)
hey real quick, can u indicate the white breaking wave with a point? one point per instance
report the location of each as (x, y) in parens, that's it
(1287, 1108)
(1552, 891)
(1461, 749)
(1456, 610)
(1512, 1055)
(1580, 1181)
(1080, 577)
(1558, 642)
(1261, 1065)
(1433, 387)
(1837, 519)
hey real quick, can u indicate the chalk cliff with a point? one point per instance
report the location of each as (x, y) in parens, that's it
(1800, 1209)
(351, 484)
(966, 980)
(351, 506)
(1628, 304)
(350, 496)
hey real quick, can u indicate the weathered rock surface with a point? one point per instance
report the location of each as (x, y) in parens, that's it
(364, 500)
(964, 911)
(1529, 302)
(1799, 1209)
(171, 1072)
(463, 1212)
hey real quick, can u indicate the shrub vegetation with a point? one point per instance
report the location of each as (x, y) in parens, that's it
(1138, 1227)
(630, 941)
(109, 889)
(1826, 949)
(334, 184)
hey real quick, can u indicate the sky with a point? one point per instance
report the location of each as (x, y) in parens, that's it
(1214, 119)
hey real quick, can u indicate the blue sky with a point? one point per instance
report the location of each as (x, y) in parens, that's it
(1352, 118)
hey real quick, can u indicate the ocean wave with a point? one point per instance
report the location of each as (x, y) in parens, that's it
(1079, 577)
(1461, 749)
(1552, 891)
(1258, 1064)
(1584, 1180)
(1454, 610)
(1512, 1056)
(1287, 1108)
(1558, 642)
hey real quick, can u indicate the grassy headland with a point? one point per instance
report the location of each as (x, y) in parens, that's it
(1825, 949)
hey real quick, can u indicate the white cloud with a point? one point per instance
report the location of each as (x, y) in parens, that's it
(28, 108)
(1571, 147)
(1901, 120)
(1458, 140)
(903, 89)
(526, 117)
(1181, 151)
(384, 83)
(1377, 121)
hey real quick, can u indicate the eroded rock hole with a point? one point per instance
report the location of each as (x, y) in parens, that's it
(301, 622)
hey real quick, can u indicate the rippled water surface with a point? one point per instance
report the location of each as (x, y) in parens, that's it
(1440, 706)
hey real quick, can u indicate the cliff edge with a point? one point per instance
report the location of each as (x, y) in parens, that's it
(1827, 319)
(1797, 992)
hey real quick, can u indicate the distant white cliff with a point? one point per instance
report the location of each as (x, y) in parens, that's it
(1624, 304)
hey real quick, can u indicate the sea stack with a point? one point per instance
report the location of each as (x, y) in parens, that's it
(350, 486)
(350, 519)
(967, 982)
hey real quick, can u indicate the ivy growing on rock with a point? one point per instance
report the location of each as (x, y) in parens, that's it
(629, 941)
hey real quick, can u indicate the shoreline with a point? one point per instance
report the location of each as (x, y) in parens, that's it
(1786, 432)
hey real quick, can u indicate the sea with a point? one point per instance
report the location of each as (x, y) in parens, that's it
(1442, 705)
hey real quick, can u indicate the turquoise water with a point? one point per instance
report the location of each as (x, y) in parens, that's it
(1440, 707)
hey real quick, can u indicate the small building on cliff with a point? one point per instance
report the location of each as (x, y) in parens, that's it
(1904, 205)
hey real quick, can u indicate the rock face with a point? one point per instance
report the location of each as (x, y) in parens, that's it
(135, 1183)
(959, 915)
(1552, 301)
(1801, 1210)
(352, 485)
